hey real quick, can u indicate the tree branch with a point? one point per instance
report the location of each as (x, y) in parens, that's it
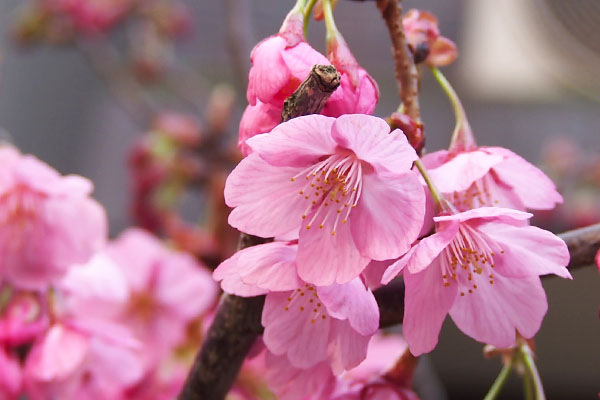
(406, 71)
(237, 323)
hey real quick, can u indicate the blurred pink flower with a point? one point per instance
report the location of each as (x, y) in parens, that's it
(345, 184)
(490, 176)
(482, 266)
(425, 40)
(11, 376)
(168, 290)
(47, 221)
(93, 16)
(336, 320)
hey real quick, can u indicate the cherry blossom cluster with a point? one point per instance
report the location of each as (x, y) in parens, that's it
(351, 206)
(82, 317)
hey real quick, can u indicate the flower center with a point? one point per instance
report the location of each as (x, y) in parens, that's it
(18, 206)
(469, 260)
(306, 300)
(477, 195)
(333, 187)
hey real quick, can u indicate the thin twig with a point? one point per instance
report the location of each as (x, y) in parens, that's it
(406, 72)
(237, 324)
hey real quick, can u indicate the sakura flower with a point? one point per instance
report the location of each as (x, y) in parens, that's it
(308, 324)
(482, 267)
(11, 376)
(167, 289)
(343, 184)
(93, 16)
(257, 118)
(491, 176)
(47, 221)
(23, 317)
(423, 36)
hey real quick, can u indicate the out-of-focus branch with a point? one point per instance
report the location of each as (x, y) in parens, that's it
(237, 324)
(406, 72)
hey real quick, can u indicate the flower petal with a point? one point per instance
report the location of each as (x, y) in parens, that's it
(324, 258)
(528, 250)
(505, 215)
(290, 329)
(270, 266)
(532, 186)
(430, 247)
(460, 171)
(229, 274)
(266, 201)
(427, 302)
(296, 143)
(389, 215)
(268, 73)
(347, 348)
(354, 302)
(493, 313)
(370, 139)
(257, 119)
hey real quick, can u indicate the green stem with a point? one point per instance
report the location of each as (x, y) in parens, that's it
(500, 381)
(438, 198)
(307, 10)
(332, 30)
(527, 386)
(462, 137)
(531, 370)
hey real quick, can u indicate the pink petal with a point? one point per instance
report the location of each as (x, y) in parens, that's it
(389, 215)
(430, 247)
(291, 329)
(370, 139)
(296, 143)
(269, 73)
(493, 313)
(229, 274)
(257, 119)
(11, 377)
(185, 288)
(347, 348)
(354, 302)
(528, 251)
(505, 215)
(266, 202)
(397, 266)
(59, 353)
(324, 258)
(427, 302)
(301, 58)
(532, 186)
(271, 266)
(460, 171)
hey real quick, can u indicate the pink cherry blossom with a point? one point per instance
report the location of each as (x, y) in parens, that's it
(257, 118)
(482, 267)
(343, 184)
(168, 289)
(491, 176)
(47, 221)
(23, 317)
(11, 376)
(306, 323)
(93, 16)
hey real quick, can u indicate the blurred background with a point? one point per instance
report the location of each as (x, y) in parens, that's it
(527, 74)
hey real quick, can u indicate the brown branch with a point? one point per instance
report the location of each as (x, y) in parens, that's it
(237, 324)
(406, 72)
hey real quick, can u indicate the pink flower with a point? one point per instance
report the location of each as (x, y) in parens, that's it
(257, 118)
(343, 183)
(490, 176)
(598, 259)
(425, 40)
(358, 92)
(482, 266)
(94, 16)
(308, 324)
(168, 289)
(11, 376)
(47, 221)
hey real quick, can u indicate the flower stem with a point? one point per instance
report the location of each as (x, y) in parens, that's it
(500, 381)
(332, 29)
(532, 372)
(438, 198)
(307, 10)
(462, 137)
